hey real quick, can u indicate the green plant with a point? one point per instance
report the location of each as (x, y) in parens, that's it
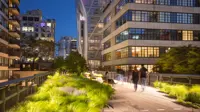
(194, 94)
(78, 94)
(179, 91)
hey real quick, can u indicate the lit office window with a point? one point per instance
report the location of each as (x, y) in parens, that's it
(24, 29)
(107, 57)
(122, 53)
(49, 24)
(151, 52)
(187, 35)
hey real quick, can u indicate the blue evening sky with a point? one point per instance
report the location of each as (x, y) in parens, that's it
(61, 10)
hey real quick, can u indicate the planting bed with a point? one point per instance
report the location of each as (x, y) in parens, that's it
(67, 94)
(187, 95)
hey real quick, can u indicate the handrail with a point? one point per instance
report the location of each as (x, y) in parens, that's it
(19, 88)
(188, 79)
(3, 84)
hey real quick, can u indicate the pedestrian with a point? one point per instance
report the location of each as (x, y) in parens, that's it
(143, 75)
(129, 74)
(106, 77)
(135, 77)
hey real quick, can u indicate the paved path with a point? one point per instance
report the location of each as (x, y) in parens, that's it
(126, 100)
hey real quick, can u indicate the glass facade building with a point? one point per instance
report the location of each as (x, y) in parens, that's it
(139, 31)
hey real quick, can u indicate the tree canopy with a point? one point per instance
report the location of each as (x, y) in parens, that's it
(33, 48)
(184, 59)
(74, 63)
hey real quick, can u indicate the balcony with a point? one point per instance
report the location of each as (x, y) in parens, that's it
(3, 52)
(3, 66)
(13, 8)
(14, 54)
(4, 40)
(14, 67)
(14, 32)
(14, 43)
(14, 20)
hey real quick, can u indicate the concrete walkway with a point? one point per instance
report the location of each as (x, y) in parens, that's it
(150, 100)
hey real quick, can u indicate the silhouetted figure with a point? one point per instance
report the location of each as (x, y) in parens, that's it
(143, 76)
(135, 77)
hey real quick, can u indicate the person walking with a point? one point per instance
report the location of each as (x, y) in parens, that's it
(143, 75)
(135, 77)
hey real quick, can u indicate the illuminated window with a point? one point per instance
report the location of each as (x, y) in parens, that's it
(145, 52)
(24, 29)
(107, 57)
(122, 53)
(187, 35)
(49, 24)
(28, 29)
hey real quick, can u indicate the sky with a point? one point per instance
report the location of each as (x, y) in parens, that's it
(63, 11)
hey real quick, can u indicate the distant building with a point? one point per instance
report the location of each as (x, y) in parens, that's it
(33, 24)
(66, 45)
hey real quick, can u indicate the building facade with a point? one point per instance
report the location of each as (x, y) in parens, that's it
(66, 45)
(82, 29)
(139, 31)
(9, 38)
(94, 9)
(33, 24)
(35, 27)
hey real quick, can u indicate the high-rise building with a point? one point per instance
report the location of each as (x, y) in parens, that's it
(66, 45)
(9, 38)
(94, 9)
(139, 31)
(82, 28)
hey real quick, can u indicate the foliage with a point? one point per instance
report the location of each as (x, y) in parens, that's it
(34, 48)
(181, 60)
(194, 94)
(184, 94)
(74, 63)
(50, 98)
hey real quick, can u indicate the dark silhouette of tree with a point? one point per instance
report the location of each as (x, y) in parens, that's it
(36, 49)
(74, 63)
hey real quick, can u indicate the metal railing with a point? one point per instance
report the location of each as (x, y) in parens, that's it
(14, 91)
(187, 79)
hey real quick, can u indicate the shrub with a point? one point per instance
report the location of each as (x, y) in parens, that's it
(51, 98)
(194, 94)
(179, 91)
(183, 93)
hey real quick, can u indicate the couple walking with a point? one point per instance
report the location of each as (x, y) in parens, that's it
(139, 76)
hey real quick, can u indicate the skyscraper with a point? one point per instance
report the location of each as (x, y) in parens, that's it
(139, 31)
(94, 9)
(82, 29)
(66, 45)
(9, 37)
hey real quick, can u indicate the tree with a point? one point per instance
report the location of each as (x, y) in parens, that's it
(36, 49)
(60, 64)
(184, 59)
(76, 63)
